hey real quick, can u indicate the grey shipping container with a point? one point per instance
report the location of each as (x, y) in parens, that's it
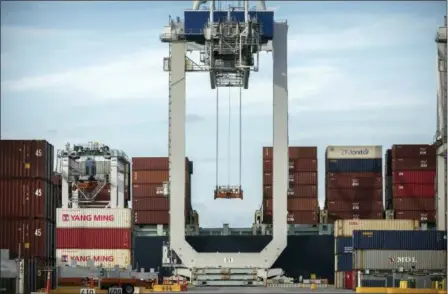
(395, 259)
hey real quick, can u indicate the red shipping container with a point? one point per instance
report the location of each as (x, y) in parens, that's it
(151, 217)
(425, 216)
(297, 165)
(152, 190)
(354, 194)
(333, 216)
(82, 238)
(153, 177)
(401, 164)
(349, 280)
(296, 178)
(294, 152)
(153, 203)
(347, 180)
(26, 197)
(414, 191)
(423, 204)
(340, 206)
(303, 191)
(295, 204)
(413, 177)
(357, 175)
(35, 236)
(413, 151)
(26, 159)
(154, 163)
(295, 217)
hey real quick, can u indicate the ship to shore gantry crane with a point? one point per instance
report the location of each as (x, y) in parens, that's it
(441, 132)
(229, 41)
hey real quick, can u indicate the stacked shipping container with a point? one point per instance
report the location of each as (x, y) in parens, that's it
(28, 206)
(102, 235)
(343, 232)
(303, 203)
(149, 204)
(411, 185)
(354, 182)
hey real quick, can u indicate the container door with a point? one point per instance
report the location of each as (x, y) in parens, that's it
(348, 280)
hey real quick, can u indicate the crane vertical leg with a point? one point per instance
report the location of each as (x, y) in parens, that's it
(441, 188)
(177, 107)
(280, 134)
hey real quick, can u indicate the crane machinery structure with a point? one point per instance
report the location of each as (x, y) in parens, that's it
(89, 169)
(228, 41)
(441, 132)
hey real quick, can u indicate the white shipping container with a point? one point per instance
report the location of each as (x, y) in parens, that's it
(106, 258)
(345, 228)
(94, 218)
(395, 259)
(354, 152)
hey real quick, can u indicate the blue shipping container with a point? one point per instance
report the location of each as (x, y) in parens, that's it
(344, 262)
(196, 20)
(343, 245)
(354, 165)
(399, 240)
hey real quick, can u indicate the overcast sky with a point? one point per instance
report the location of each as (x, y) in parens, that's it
(360, 73)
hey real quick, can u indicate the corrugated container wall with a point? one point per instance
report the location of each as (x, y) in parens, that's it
(411, 188)
(94, 218)
(395, 259)
(302, 191)
(343, 262)
(150, 206)
(75, 238)
(106, 258)
(345, 228)
(343, 245)
(399, 240)
(27, 198)
(354, 183)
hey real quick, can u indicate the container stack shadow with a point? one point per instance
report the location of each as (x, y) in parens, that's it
(303, 206)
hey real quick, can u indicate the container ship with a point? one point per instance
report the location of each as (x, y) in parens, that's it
(79, 215)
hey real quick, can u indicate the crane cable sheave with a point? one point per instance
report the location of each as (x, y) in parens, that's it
(261, 5)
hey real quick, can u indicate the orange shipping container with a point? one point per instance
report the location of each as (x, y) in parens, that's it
(295, 204)
(302, 191)
(294, 152)
(152, 177)
(296, 178)
(156, 163)
(295, 217)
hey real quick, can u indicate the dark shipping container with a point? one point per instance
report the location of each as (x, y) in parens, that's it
(369, 205)
(153, 177)
(413, 151)
(399, 240)
(414, 191)
(36, 237)
(295, 152)
(333, 216)
(414, 177)
(343, 245)
(294, 217)
(295, 204)
(295, 165)
(296, 178)
(354, 165)
(26, 159)
(155, 163)
(354, 194)
(93, 238)
(298, 259)
(27, 197)
(423, 204)
(153, 190)
(402, 164)
(155, 204)
(424, 216)
(388, 159)
(347, 180)
(303, 191)
(344, 262)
